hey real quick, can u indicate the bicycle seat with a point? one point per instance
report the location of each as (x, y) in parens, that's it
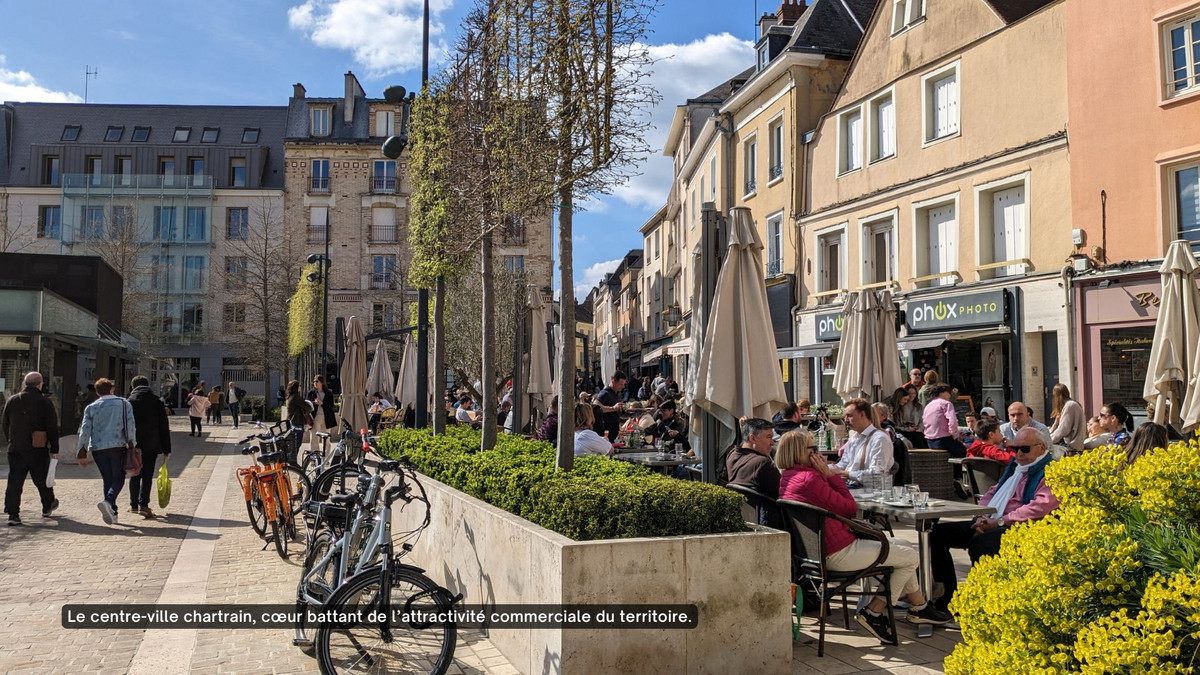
(342, 500)
(272, 458)
(248, 450)
(322, 434)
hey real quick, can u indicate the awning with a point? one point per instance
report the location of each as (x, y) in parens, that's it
(936, 339)
(679, 348)
(654, 354)
(806, 352)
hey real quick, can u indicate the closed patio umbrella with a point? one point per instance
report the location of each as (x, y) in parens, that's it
(354, 376)
(850, 368)
(1173, 363)
(738, 374)
(379, 379)
(406, 381)
(540, 388)
(868, 363)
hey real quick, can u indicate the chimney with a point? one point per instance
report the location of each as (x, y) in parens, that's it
(790, 11)
(354, 91)
(298, 90)
(765, 22)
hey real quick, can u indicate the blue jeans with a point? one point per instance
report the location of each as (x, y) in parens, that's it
(139, 485)
(949, 444)
(111, 463)
(233, 410)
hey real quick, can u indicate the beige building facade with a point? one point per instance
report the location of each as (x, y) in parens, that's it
(941, 174)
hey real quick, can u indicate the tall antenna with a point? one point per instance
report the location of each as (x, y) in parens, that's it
(88, 73)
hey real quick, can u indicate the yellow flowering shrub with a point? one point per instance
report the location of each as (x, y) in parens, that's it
(1108, 583)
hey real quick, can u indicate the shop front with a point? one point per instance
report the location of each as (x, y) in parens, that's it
(967, 337)
(1116, 317)
(816, 359)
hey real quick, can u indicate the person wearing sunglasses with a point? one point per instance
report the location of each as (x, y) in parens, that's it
(1021, 496)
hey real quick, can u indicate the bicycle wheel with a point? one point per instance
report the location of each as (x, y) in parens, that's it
(283, 525)
(366, 647)
(330, 481)
(301, 488)
(256, 511)
(319, 588)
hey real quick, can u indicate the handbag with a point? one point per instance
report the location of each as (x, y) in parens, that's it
(133, 454)
(38, 439)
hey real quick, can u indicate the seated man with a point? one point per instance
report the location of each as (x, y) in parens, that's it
(378, 405)
(750, 465)
(670, 427)
(1021, 495)
(1019, 418)
(467, 414)
(868, 450)
(788, 420)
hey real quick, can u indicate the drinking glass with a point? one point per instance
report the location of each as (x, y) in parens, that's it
(898, 493)
(920, 500)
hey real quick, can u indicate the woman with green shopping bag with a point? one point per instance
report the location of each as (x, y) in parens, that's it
(153, 437)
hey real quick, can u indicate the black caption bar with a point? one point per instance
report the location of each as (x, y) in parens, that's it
(417, 616)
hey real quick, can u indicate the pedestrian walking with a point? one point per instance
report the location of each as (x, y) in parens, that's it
(197, 403)
(153, 439)
(31, 427)
(109, 430)
(323, 415)
(216, 401)
(234, 397)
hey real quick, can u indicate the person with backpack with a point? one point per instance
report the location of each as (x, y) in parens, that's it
(31, 427)
(153, 438)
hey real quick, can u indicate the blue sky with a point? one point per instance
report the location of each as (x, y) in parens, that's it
(249, 52)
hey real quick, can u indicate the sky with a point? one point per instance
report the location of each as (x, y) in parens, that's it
(250, 52)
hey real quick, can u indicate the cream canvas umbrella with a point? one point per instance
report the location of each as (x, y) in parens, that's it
(738, 373)
(379, 379)
(1173, 350)
(868, 363)
(890, 375)
(540, 387)
(406, 382)
(354, 377)
(850, 369)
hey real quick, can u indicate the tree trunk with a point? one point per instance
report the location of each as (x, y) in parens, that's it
(566, 327)
(437, 409)
(487, 379)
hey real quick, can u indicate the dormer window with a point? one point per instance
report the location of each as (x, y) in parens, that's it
(764, 56)
(140, 135)
(70, 132)
(113, 134)
(209, 135)
(320, 121)
(250, 135)
(906, 13)
(181, 134)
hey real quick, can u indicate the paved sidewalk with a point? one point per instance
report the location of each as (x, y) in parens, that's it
(201, 549)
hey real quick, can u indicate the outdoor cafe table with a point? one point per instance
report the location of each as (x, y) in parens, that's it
(923, 520)
(650, 459)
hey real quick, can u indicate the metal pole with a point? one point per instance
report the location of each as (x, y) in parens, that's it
(422, 408)
(710, 226)
(325, 303)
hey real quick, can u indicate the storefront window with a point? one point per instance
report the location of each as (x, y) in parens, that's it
(1124, 360)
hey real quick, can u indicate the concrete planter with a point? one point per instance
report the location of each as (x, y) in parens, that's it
(740, 583)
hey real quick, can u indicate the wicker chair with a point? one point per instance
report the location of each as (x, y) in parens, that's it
(982, 473)
(387, 419)
(759, 508)
(806, 524)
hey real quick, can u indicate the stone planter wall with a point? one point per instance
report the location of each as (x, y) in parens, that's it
(740, 583)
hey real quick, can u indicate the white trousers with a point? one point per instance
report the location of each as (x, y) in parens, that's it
(902, 558)
(318, 424)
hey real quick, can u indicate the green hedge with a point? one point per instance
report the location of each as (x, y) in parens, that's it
(600, 499)
(255, 405)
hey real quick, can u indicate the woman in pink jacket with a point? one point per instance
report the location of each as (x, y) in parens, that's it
(806, 478)
(197, 403)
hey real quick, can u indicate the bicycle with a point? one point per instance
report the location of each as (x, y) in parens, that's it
(273, 489)
(369, 633)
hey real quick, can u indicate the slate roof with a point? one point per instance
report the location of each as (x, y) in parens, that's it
(23, 125)
(358, 131)
(1014, 10)
(829, 27)
(725, 89)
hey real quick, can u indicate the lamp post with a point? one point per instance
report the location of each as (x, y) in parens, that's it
(322, 275)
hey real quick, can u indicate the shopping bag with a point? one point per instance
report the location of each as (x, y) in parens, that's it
(50, 473)
(164, 487)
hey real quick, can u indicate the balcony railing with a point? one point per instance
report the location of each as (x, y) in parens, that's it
(383, 282)
(385, 185)
(751, 187)
(775, 171)
(316, 234)
(78, 184)
(383, 235)
(774, 267)
(319, 185)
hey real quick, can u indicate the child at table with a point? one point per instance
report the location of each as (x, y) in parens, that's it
(806, 477)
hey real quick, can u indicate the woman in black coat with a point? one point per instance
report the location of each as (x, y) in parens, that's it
(324, 418)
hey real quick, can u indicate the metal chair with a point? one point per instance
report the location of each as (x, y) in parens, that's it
(982, 473)
(806, 525)
(759, 508)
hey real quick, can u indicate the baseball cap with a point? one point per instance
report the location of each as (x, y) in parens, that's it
(987, 410)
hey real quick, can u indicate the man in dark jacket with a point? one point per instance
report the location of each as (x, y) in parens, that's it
(750, 465)
(153, 438)
(670, 427)
(24, 414)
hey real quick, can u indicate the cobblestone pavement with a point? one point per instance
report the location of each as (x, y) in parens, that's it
(74, 557)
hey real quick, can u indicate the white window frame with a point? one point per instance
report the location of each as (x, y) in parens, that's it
(870, 226)
(920, 220)
(906, 14)
(764, 56)
(312, 120)
(820, 238)
(712, 179)
(774, 240)
(875, 124)
(845, 151)
(750, 166)
(776, 147)
(1185, 18)
(928, 104)
(385, 122)
(1174, 210)
(984, 222)
(695, 211)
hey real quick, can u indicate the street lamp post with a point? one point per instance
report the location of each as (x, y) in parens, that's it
(322, 275)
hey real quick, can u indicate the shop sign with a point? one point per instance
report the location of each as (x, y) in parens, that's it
(1136, 341)
(829, 326)
(955, 312)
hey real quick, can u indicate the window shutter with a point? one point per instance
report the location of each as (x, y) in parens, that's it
(952, 104)
(887, 128)
(899, 10)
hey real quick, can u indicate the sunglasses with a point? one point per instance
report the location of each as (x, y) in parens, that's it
(1023, 448)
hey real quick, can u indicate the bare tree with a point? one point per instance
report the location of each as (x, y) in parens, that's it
(15, 234)
(464, 345)
(122, 243)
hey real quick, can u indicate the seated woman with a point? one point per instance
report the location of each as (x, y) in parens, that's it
(1148, 437)
(990, 444)
(587, 441)
(1096, 435)
(807, 478)
(1118, 421)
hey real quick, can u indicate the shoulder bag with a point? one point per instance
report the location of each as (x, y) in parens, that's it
(133, 454)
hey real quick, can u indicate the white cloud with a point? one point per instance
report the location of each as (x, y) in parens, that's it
(681, 71)
(592, 276)
(384, 35)
(19, 85)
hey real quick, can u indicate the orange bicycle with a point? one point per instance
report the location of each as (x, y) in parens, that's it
(275, 491)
